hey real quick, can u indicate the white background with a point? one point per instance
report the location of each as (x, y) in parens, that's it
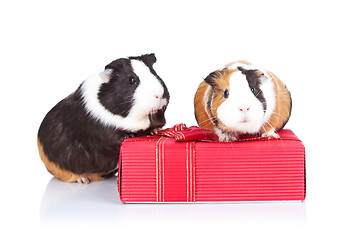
(49, 47)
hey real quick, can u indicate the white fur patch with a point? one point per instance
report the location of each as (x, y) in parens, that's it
(145, 101)
(267, 87)
(90, 89)
(148, 95)
(242, 111)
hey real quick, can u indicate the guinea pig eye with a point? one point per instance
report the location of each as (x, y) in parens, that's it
(253, 90)
(226, 93)
(132, 80)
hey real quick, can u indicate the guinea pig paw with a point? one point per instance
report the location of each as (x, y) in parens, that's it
(226, 138)
(270, 134)
(83, 180)
(155, 131)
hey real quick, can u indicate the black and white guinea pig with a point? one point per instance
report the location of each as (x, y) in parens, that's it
(242, 99)
(79, 139)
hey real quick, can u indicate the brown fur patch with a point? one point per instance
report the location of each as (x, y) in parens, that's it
(62, 174)
(202, 110)
(200, 101)
(221, 84)
(282, 109)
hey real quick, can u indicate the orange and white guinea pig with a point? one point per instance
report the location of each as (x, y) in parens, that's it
(242, 99)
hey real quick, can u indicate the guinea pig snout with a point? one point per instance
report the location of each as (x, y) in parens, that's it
(244, 113)
(158, 101)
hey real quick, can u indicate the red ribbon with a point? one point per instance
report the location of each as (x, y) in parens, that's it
(181, 133)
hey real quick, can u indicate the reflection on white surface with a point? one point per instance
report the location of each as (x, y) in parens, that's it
(74, 201)
(99, 202)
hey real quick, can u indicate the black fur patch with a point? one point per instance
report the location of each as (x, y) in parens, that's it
(213, 118)
(254, 81)
(75, 142)
(117, 94)
(210, 79)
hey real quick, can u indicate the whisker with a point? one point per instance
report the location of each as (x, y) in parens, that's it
(267, 122)
(282, 99)
(205, 121)
(277, 114)
(222, 136)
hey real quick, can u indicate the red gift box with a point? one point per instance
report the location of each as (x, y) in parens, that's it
(183, 164)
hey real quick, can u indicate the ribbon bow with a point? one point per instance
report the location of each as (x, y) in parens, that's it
(181, 133)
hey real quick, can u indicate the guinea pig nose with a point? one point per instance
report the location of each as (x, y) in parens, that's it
(157, 96)
(242, 109)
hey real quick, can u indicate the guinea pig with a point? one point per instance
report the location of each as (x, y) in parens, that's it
(79, 139)
(242, 99)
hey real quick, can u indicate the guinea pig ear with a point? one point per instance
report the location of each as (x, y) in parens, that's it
(259, 75)
(211, 78)
(254, 74)
(149, 59)
(106, 75)
(118, 65)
